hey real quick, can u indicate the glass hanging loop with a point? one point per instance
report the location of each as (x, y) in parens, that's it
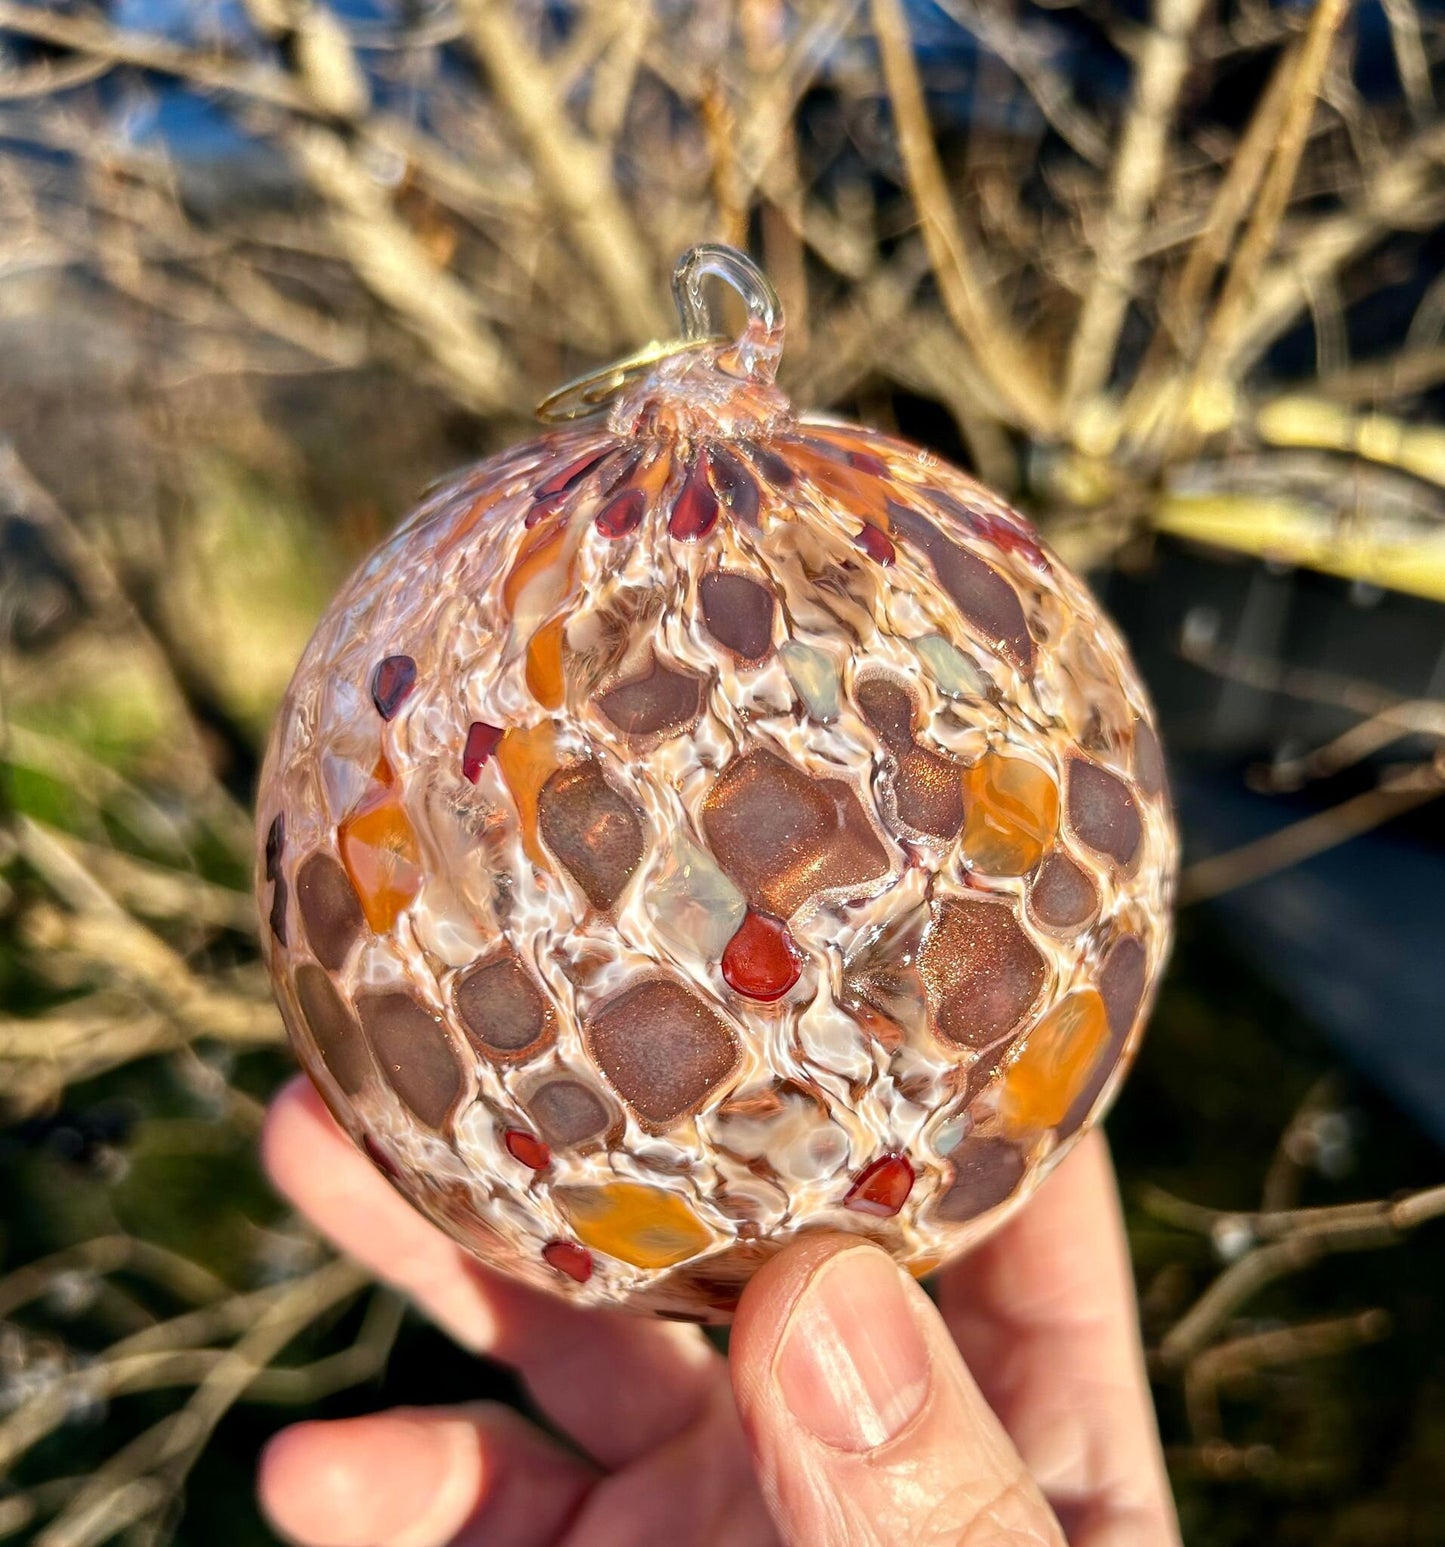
(753, 354)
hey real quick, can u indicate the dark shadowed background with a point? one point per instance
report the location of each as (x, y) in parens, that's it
(1169, 274)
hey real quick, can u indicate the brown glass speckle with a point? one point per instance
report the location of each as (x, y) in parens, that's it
(415, 1054)
(504, 1014)
(663, 1050)
(982, 972)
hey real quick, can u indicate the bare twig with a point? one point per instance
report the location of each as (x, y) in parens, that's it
(1290, 1242)
(396, 267)
(1250, 1354)
(1396, 794)
(1407, 192)
(573, 169)
(1155, 401)
(1227, 326)
(1140, 164)
(92, 36)
(1001, 357)
(180, 1276)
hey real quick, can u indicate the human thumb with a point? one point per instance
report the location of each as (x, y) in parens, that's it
(865, 1424)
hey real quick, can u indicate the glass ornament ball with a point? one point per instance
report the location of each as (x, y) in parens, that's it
(705, 824)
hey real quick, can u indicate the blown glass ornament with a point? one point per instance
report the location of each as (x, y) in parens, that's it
(705, 824)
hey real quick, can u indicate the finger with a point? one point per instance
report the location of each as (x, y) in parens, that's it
(1044, 1314)
(617, 1384)
(421, 1478)
(865, 1424)
(313, 1165)
(696, 1489)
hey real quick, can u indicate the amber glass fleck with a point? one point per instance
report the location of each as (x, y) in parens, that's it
(644, 1226)
(380, 852)
(1012, 814)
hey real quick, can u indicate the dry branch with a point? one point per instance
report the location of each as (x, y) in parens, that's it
(1228, 327)
(1292, 845)
(1140, 164)
(574, 171)
(1288, 1242)
(1000, 356)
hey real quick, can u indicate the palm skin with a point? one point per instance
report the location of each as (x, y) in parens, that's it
(848, 1413)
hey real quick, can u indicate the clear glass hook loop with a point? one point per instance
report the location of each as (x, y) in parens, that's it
(756, 350)
(754, 353)
(711, 260)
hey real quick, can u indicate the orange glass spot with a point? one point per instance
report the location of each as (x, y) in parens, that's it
(856, 491)
(644, 1226)
(544, 664)
(924, 1266)
(478, 509)
(527, 759)
(1053, 1068)
(1011, 814)
(381, 855)
(540, 550)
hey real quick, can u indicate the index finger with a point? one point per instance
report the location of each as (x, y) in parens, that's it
(1044, 1312)
(618, 1384)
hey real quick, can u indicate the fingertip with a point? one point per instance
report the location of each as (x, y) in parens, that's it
(318, 1170)
(296, 1118)
(859, 1409)
(305, 1490)
(363, 1482)
(771, 1294)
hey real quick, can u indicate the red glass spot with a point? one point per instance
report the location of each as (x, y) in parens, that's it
(876, 544)
(761, 960)
(623, 514)
(575, 1261)
(882, 1188)
(542, 509)
(866, 462)
(695, 512)
(527, 1148)
(1010, 539)
(482, 741)
(391, 682)
(379, 1158)
(567, 477)
(1009, 534)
